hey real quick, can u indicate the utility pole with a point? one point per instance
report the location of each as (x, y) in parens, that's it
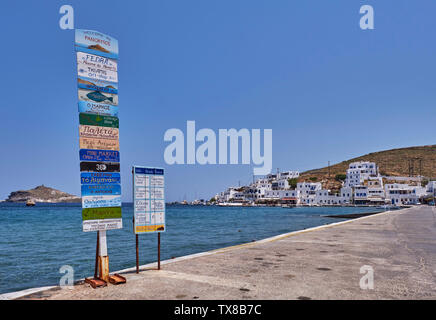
(328, 169)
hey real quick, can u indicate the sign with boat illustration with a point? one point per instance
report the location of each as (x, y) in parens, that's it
(96, 67)
(97, 120)
(86, 166)
(101, 201)
(97, 132)
(97, 85)
(96, 43)
(100, 178)
(99, 155)
(99, 97)
(98, 108)
(100, 189)
(148, 199)
(99, 144)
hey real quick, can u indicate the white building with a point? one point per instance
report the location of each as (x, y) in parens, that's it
(308, 191)
(403, 194)
(358, 172)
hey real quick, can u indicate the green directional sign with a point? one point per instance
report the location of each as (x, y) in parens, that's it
(98, 120)
(101, 213)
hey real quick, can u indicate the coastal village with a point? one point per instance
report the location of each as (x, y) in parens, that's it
(363, 184)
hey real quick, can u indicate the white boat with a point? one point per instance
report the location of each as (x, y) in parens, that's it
(230, 204)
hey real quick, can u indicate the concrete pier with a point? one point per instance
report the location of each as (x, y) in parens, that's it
(321, 263)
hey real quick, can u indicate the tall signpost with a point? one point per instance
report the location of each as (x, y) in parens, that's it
(148, 204)
(97, 81)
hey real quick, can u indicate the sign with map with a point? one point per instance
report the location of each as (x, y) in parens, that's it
(148, 199)
(95, 42)
(97, 85)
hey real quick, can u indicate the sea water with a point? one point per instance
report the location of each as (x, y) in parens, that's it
(35, 242)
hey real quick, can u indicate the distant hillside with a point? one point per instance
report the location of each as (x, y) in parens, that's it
(42, 194)
(393, 162)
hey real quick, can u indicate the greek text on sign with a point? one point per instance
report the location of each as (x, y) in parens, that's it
(100, 225)
(86, 166)
(142, 205)
(96, 96)
(99, 144)
(142, 193)
(86, 131)
(99, 155)
(100, 189)
(100, 178)
(98, 108)
(97, 85)
(97, 120)
(101, 201)
(96, 42)
(142, 180)
(96, 67)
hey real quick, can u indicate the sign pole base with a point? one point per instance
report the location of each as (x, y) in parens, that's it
(158, 251)
(137, 255)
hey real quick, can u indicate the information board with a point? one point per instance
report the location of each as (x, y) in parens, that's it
(148, 199)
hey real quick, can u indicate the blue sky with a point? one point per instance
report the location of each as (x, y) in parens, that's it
(327, 89)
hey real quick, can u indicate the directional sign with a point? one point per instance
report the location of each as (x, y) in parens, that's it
(97, 132)
(97, 85)
(148, 199)
(97, 120)
(100, 178)
(97, 97)
(99, 155)
(97, 82)
(99, 144)
(96, 42)
(99, 167)
(101, 201)
(100, 189)
(98, 108)
(96, 67)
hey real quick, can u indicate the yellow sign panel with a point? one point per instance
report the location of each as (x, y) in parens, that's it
(99, 144)
(159, 227)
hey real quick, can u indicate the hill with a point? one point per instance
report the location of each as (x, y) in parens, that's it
(42, 194)
(411, 161)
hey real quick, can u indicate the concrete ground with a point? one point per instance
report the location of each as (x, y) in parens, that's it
(324, 263)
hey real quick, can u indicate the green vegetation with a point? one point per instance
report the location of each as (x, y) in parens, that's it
(340, 177)
(292, 183)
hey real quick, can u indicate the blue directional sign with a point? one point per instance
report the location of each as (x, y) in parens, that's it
(101, 201)
(98, 108)
(100, 178)
(99, 155)
(101, 189)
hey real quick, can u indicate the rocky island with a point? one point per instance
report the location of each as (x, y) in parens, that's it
(42, 194)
